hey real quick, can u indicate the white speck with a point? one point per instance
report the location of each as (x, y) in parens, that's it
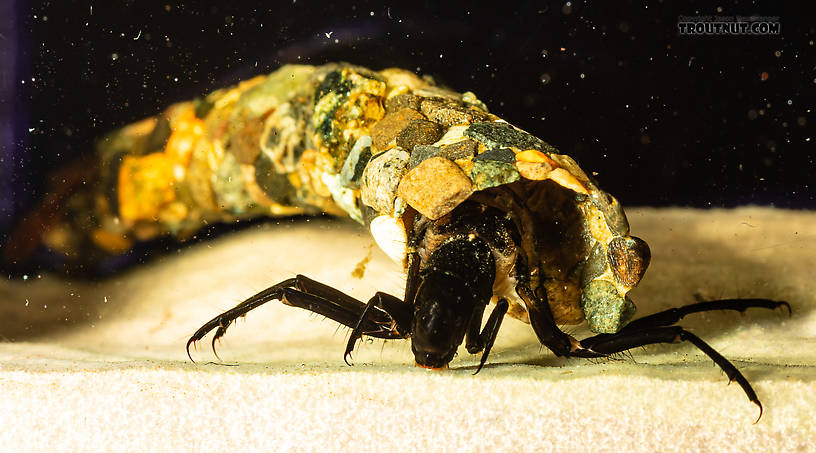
(371, 13)
(105, 299)
(328, 35)
(137, 36)
(25, 277)
(114, 56)
(45, 307)
(27, 302)
(31, 129)
(582, 75)
(790, 101)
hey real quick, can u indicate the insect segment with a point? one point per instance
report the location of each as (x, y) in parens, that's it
(475, 209)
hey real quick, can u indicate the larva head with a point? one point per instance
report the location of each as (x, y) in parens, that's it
(456, 280)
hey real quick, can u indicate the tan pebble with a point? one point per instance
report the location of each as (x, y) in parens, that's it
(565, 179)
(536, 171)
(435, 187)
(571, 166)
(245, 144)
(401, 101)
(454, 134)
(450, 113)
(392, 124)
(534, 155)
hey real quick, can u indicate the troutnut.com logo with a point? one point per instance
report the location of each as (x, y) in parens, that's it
(728, 25)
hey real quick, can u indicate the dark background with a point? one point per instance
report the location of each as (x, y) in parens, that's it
(662, 119)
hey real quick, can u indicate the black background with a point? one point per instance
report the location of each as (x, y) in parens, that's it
(661, 119)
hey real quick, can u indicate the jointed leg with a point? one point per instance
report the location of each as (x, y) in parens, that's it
(628, 339)
(314, 296)
(543, 322)
(475, 341)
(658, 328)
(399, 325)
(672, 315)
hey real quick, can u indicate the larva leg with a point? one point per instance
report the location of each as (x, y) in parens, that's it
(657, 328)
(548, 333)
(629, 339)
(311, 295)
(672, 315)
(476, 341)
(399, 324)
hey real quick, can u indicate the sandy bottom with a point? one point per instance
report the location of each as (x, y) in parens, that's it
(101, 366)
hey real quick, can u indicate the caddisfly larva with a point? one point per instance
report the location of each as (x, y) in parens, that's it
(475, 209)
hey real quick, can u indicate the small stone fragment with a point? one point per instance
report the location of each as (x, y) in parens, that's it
(356, 162)
(469, 97)
(505, 155)
(145, 186)
(497, 134)
(563, 298)
(348, 100)
(536, 171)
(430, 91)
(419, 132)
(230, 190)
(450, 113)
(245, 144)
(567, 180)
(491, 173)
(464, 149)
(605, 309)
(535, 156)
(611, 209)
(392, 124)
(382, 177)
(569, 164)
(389, 233)
(454, 134)
(595, 265)
(344, 197)
(629, 257)
(421, 153)
(402, 101)
(435, 187)
(158, 137)
(282, 139)
(274, 184)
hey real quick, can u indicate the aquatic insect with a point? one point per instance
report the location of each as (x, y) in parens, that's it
(474, 209)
